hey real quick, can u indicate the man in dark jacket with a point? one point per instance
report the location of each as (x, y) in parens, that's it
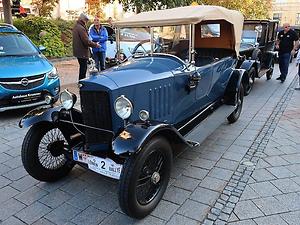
(81, 44)
(287, 41)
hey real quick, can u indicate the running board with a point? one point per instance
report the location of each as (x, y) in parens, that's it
(208, 125)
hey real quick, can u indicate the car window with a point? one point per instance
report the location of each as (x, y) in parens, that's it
(135, 34)
(249, 37)
(14, 44)
(210, 30)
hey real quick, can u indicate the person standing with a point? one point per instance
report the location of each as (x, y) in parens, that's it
(297, 64)
(81, 44)
(287, 41)
(98, 34)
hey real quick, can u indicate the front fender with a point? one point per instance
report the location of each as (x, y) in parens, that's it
(233, 86)
(133, 138)
(46, 114)
(248, 64)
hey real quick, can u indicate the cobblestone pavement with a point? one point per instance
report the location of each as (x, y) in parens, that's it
(244, 173)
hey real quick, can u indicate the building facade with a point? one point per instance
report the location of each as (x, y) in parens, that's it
(286, 11)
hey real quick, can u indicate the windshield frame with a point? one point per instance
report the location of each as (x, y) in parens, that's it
(152, 41)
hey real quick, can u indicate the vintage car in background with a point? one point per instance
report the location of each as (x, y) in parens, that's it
(135, 115)
(257, 49)
(27, 78)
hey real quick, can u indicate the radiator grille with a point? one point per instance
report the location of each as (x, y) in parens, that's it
(96, 112)
(22, 83)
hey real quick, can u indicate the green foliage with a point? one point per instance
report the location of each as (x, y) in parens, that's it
(251, 9)
(44, 7)
(55, 35)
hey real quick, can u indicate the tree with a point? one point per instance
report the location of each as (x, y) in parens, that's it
(7, 11)
(251, 9)
(95, 7)
(44, 7)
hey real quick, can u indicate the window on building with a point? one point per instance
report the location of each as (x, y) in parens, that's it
(277, 16)
(297, 22)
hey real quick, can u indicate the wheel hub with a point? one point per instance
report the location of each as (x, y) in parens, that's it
(56, 148)
(155, 178)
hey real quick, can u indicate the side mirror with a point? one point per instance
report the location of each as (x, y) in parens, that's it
(42, 48)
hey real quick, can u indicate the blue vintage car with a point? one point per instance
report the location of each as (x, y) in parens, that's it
(27, 79)
(134, 115)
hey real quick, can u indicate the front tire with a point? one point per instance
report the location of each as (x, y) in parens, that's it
(145, 177)
(233, 117)
(252, 75)
(43, 153)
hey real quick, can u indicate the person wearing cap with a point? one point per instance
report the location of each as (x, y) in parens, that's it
(81, 44)
(98, 34)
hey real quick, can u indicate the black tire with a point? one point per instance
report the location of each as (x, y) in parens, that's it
(269, 73)
(233, 117)
(35, 149)
(252, 75)
(139, 202)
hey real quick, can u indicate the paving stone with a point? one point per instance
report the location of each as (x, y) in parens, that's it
(118, 218)
(262, 164)
(90, 216)
(165, 210)
(262, 175)
(265, 189)
(31, 195)
(7, 192)
(24, 183)
(276, 161)
(203, 163)
(195, 172)
(12, 206)
(4, 157)
(249, 193)
(176, 195)
(281, 172)
(12, 221)
(55, 198)
(4, 182)
(205, 196)
(182, 163)
(100, 186)
(227, 164)
(16, 174)
(243, 222)
(294, 168)
(233, 156)
(292, 218)
(33, 212)
(247, 210)
(62, 214)
(4, 169)
(188, 210)
(186, 183)
(74, 186)
(286, 185)
(211, 155)
(221, 173)
(44, 221)
(291, 158)
(213, 183)
(107, 203)
(270, 205)
(267, 220)
(291, 200)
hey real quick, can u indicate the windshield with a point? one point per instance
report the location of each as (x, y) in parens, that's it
(249, 37)
(166, 39)
(14, 44)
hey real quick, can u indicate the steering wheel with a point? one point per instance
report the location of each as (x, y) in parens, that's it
(157, 47)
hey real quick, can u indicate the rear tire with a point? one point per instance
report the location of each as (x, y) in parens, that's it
(145, 177)
(233, 117)
(42, 153)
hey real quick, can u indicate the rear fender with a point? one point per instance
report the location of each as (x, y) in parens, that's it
(232, 88)
(134, 137)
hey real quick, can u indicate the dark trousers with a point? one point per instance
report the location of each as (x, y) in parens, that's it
(82, 67)
(284, 62)
(99, 58)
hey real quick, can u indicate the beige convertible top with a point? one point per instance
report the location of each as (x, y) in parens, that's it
(187, 15)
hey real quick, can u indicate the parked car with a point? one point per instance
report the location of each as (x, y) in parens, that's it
(257, 49)
(27, 78)
(133, 116)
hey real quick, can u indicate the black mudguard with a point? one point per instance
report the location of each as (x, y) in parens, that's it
(233, 86)
(132, 139)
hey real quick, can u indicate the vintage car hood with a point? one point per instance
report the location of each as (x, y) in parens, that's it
(23, 66)
(135, 71)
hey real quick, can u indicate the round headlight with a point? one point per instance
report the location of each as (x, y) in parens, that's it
(123, 107)
(144, 115)
(67, 99)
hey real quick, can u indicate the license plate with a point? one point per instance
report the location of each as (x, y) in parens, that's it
(106, 167)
